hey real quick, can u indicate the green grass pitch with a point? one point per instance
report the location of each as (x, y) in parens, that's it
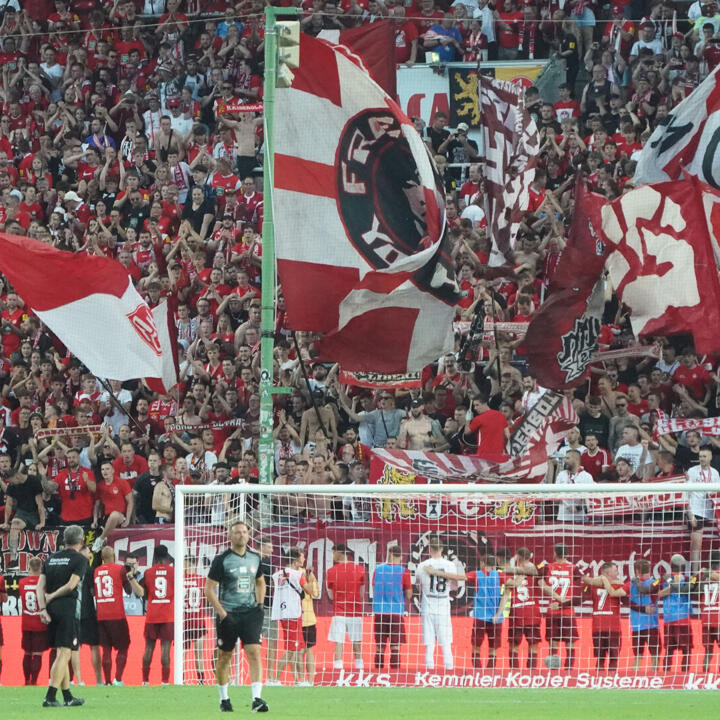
(189, 703)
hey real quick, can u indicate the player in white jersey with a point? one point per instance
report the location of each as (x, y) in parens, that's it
(435, 603)
(289, 585)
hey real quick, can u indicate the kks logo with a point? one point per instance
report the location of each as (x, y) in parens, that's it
(141, 318)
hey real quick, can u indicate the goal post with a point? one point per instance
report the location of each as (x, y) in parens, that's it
(536, 585)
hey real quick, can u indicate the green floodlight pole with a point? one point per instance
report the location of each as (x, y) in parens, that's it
(266, 456)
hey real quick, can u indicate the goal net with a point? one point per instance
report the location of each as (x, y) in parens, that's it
(603, 586)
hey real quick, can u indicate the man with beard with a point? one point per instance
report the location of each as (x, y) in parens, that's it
(418, 431)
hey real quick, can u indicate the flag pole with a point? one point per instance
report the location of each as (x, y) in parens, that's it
(266, 454)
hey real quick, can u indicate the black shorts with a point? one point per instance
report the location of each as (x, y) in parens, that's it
(649, 637)
(246, 627)
(310, 635)
(64, 629)
(678, 636)
(531, 632)
(560, 628)
(159, 631)
(114, 634)
(35, 641)
(89, 631)
(389, 628)
(605, 641)
(483, 628)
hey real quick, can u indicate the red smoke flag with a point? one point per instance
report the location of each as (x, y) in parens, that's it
(563, 334)
(360, 221)
(661, 260)
(510, 148)
(90, 303)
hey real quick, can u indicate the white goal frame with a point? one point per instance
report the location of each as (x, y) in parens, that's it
(550, 491)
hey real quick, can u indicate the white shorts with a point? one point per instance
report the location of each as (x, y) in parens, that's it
(436, 628)
(340, 626)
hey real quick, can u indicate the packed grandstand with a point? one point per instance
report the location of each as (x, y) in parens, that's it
(133, 131)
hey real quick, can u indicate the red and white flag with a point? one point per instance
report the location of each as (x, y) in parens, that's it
(688, 142)
(90, 303)
(661, 260)
(359, 220)
(511, 144)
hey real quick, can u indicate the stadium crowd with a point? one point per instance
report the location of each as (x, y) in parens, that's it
(132, 130)
(121, 135)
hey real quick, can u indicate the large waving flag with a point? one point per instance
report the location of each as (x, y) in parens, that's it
(510, 147)
(688, 142)
(359, 220)
(661, 259)
(563, 334)
(90, 303)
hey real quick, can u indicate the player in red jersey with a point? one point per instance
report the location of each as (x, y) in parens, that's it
(35, 640)
(3, 598)
(158, 586)
(196, 614)
(562, 581)
(346, 586)
(525, 610)
(110, 579)
(710, 608)
(607, 594)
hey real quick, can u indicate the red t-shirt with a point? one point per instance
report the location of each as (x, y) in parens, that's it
(75, 496)
(593, 464)
(710, 604)
(31, 621)
(109, 581)
(490, 427)
(404, 37)
(113, 496)
(130, 472)
(11, 340)
(606, 609)
(159, 584)
(695, 380)
(525, 608)
(563, 579)
(346, 581)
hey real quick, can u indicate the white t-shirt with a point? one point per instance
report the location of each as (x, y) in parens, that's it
(700, 503)
(287, 594)
(116, 418)
(631, 453)
(573, 510)
(434, 590)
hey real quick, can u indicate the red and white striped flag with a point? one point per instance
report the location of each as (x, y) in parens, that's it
(359, 220)
(510, 148)
(90, 303)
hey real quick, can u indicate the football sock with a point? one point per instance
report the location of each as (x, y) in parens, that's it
(514, 659)
(107, 665)
(256, 689)
(223, 690)
(337, 664)
(429, 658)
(569, 658)
(359, 664)
(120, 662)
(448, 656)
(67, 695)
(165, 673)
(146, 673)
(27, 668)
(380, 659)
(532, 660)
(394, 659)
(51, 693)
(491, 661)
(36, 667)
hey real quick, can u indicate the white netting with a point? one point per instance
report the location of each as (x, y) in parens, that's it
(522, 569)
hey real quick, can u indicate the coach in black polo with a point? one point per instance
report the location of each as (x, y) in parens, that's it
(59, 603)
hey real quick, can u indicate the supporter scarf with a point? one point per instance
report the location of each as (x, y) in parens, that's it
(666, 425)
(531, 26)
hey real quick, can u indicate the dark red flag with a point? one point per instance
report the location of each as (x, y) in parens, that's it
(563, 334)
(375, 44)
